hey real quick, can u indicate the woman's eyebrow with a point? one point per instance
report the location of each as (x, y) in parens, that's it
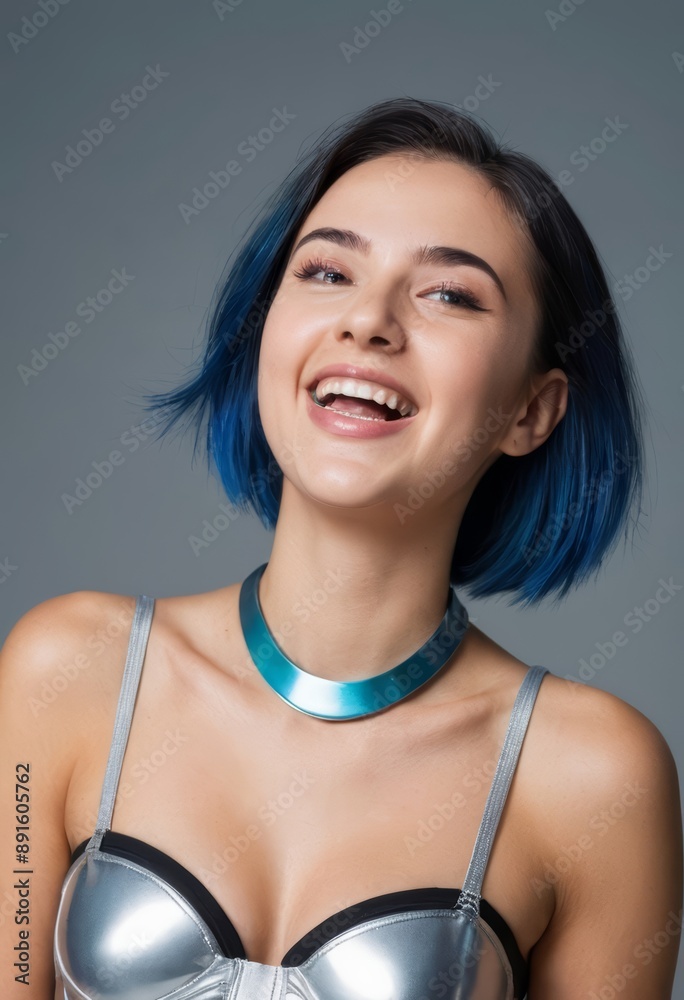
(446, 256)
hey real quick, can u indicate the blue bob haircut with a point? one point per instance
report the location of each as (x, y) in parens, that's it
(535, 524)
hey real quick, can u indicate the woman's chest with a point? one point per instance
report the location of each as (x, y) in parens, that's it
(286, 824)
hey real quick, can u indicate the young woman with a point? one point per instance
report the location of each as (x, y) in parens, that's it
(324, 782)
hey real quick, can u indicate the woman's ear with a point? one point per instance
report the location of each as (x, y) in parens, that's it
(541, 409)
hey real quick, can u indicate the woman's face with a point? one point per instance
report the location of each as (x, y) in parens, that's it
(455, 333)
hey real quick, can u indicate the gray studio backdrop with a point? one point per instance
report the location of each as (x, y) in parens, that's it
(187, 87)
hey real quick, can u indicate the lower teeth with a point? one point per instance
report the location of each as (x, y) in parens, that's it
(357, 416)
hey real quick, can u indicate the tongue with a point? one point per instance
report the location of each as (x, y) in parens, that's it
(364, 407)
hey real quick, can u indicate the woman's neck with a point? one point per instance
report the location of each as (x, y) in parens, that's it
(348, 593)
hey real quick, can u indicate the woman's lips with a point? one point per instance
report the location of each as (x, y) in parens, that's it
(363, 425)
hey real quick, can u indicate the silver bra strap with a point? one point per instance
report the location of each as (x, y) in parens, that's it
(137, 644)
(469, 898)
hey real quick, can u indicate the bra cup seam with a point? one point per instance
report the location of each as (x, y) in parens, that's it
(57, 956)
(493, 939)
(74, 987)
(238, 978)
(67, 981)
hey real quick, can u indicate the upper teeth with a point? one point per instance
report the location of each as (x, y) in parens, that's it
(365, 390)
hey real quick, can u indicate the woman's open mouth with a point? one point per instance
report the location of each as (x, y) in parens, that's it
(361, 399)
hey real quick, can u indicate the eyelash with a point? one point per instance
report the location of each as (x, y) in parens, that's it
(469, 300)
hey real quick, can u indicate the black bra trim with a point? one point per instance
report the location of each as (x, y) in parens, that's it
(221, 926)
(180, 879)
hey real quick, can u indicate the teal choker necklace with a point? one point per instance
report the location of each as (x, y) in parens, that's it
(340, 700)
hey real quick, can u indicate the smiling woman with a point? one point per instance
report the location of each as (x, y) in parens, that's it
(419, 170)
(411, 413)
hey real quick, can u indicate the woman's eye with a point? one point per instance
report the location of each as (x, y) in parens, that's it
(313, 267)
(459, 297)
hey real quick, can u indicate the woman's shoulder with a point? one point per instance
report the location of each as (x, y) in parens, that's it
(597, 727)
(54, 629)
(600, 762)
(78, 628)
(63, 653)
(60, 673)
(68, 651)
(602, 789)
(571, 721)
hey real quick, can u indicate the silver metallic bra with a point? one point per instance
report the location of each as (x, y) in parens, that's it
(133, 924)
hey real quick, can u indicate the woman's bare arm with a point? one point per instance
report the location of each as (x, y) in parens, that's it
(615, 862)
(45, 701)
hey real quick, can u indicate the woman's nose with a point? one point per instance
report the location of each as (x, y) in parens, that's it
(371, 321)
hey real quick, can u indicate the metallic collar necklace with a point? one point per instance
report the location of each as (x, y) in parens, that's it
(340, 700)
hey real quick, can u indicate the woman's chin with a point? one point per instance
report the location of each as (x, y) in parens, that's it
(345, 493)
